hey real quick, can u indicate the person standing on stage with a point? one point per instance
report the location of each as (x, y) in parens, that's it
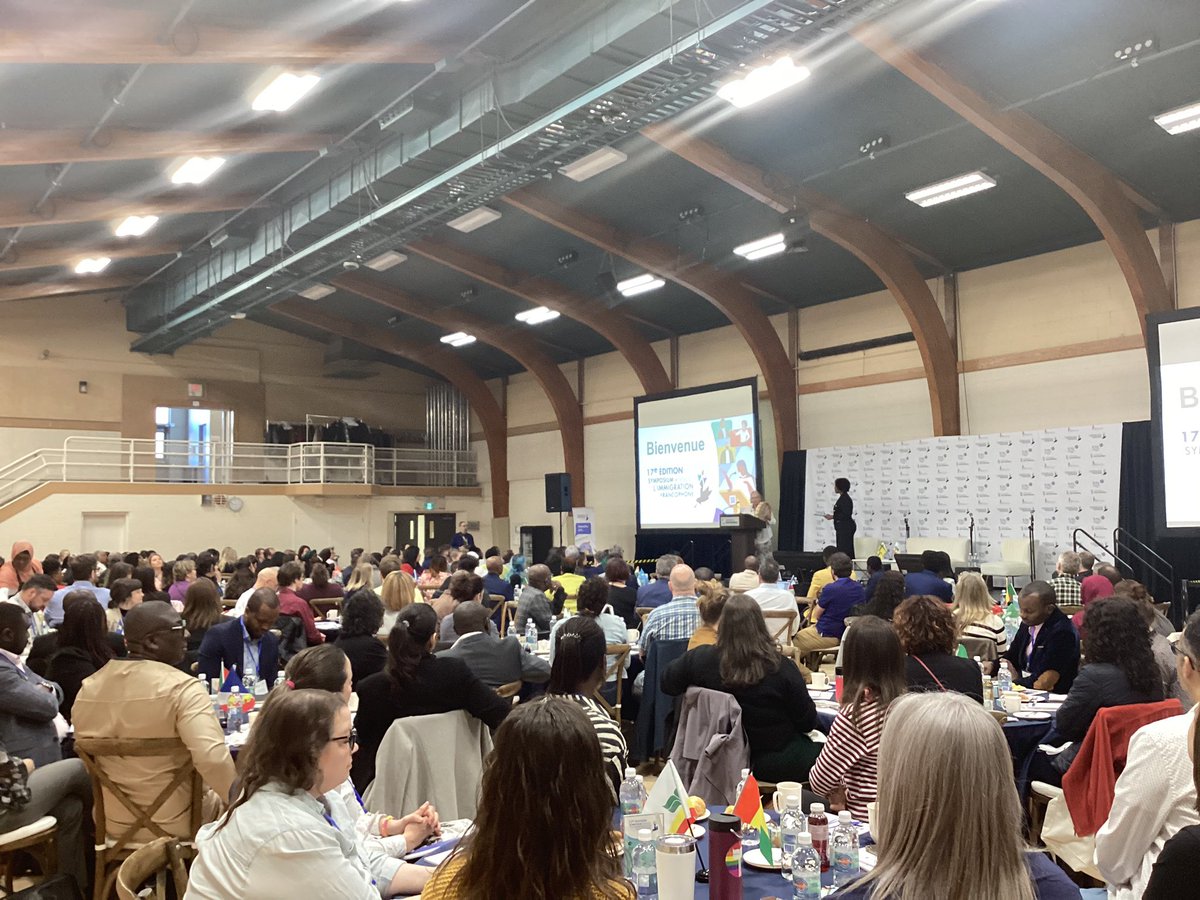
(766, 534)
(843, 517)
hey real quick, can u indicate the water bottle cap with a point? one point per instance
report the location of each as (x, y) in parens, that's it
(844, 817)
(630, 771)
(804, 839)
(745, 773)
(816, 808)
(645, 834)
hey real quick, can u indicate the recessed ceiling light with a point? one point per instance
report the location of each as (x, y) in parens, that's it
(92, 265)
(951, 189)
(385, 261)
(195, 170)
(763, 81)
(768, 246)
(1179, 120)
(237, 315)
(593, 164)
(458, 339)
(317, 291)
(476, 218)
(284, 90)
(135, 226)
(640, 284)
(537, 316)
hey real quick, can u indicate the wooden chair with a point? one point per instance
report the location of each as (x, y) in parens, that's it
(512, 689)
(642, 613)
(155, 860)
(620, 654)
(110, 850)
(509, 612)
(493, 603)
(984, 648)
(1069, 609)
(322, 605)
(779, 623)
(37, 839)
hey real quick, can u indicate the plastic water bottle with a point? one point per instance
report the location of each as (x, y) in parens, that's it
(630, 793)
(843, 850)
(531, 635)
(236, 713)
(281, 678)
(645, 866)
(790, 825)
(512, 628)
(806, 870)
(749, 835)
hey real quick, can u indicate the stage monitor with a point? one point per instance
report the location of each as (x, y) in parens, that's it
(1174, 353)
(698, 455)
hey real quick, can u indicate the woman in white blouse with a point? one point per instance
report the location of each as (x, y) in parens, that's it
(973, 611)
(279, 839)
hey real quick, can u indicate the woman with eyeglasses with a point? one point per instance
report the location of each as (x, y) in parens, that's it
(279, 839)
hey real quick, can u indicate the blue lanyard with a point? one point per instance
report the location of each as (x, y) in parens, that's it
(254, 657)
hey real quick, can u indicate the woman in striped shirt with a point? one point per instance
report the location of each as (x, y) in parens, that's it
(973, 611)
(873, 676)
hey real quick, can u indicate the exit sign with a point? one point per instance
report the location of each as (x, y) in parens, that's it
(429, 504)
(195, 389)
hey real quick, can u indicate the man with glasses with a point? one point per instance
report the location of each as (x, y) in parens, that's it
(146, 696)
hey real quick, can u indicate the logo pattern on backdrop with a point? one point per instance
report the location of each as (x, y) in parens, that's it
(1066, 477)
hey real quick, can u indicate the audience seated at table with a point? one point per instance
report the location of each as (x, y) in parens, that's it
(928, 635)
(532, 602)
(83, 578)
(929, 581)
(32, 598)
(434, 575)
(875, 572)
(821, 577)
(845, 773)
(835, 603)
(1065, 579)
(363, 575)
(1044, 654)
(622, 596)
(569, 579)
(710, 603)
(657, 590)
(493, 660)
(246, 642)
(1155, 794)
(547, 774)
(948, 820)
(83, 647)
(319, 587)
(265, 578)
(576, 674)
(146, 696)
(202, 610)
(777, 712)
(1120, 670)
(463, 587)
(362, 616)
(397, 592)
(416, 683)
(1163, 649)
(278, 839)
(123, 595)
(289, 577)
(677, 619)
(973, 611)
(592, 602)
(28, 702)
(494, 582)
(888, 594)
(770, 595)
(183, 573)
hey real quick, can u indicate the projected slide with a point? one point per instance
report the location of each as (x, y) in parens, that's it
(1179, 420)
(697, 454)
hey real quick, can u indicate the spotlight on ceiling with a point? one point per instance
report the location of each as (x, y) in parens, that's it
(284, 91)
(951, 189)
(458, 339)
(195, 169)
(1131, 52)
(537, 315)
(593, 164)
(763, 81)
(135, 226)
(93, 265)
(237, 315)
(476, 218)
(639, 284)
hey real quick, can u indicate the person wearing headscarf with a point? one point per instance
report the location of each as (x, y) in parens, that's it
(21, 566)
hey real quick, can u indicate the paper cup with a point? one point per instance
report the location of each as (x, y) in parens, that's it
(1012, 702)
(820, 680)
(782, 789)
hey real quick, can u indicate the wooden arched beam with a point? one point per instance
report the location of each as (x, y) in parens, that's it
(724, 292)
(507, 339)
(446, 364)
(613, 325)
(882, 253)
(1100, 193)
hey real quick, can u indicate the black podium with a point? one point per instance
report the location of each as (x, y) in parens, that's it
(742, 530)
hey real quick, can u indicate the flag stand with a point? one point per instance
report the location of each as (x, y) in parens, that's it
(702, 875)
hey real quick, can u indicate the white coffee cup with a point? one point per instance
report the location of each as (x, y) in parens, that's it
(820, 681)
(871, 807)
(782, 790)
(632, 635)
(331, 615)
(1012, 702)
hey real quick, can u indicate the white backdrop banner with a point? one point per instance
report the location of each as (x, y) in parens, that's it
(1066, 477)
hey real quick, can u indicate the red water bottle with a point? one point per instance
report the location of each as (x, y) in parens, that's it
(818, 827)
(837, 684)
(725, 857)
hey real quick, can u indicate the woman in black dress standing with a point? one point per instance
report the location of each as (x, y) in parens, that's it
(843, 518)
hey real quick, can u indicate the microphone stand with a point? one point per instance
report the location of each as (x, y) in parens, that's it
(971, 538)
(1032, 549)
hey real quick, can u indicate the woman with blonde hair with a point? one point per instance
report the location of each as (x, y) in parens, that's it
(948, 819)
(973, 611)
(399, 591)
(364, 575)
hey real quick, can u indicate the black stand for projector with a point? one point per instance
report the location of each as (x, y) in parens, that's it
(560, 540)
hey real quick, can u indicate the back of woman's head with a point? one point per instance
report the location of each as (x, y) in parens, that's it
(411, 555)
(408, 642)
(320, 574)
(579, 646)
(1116, 633)
(748, 654)
(710, 601)
(122, 589)
(202, 604)
(889, 593)
(616, 569)
(181, 568)
(465, 586)
(118, 570)
(945, 778)
(437, 565)
(319, 668)
(399, 591)
(925, 624)
(145, 575)
(364, 575)
(872, 662)
(362, 613)
(286, 742)
(546, 769)
(592, 597)
(85, 627)
(972, 602)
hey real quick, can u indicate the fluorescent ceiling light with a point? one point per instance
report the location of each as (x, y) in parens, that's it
(92, 265)
(476, 218)
(195, 170)
(317, 291)
(237, 315)
(951, 189)
(593, 164)
(385, 261)
(768, 246)
(537, 315)
(458, 339)
(285, 90)
(763, 81)
(1177, 121)
(631, 287)
(135, 226)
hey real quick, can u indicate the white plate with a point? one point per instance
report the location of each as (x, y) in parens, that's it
(698, 831)
(707, 813)
(1031, 716)
(755, 860)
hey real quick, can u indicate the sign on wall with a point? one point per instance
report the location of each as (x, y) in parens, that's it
(1066, 477)
(583, 517)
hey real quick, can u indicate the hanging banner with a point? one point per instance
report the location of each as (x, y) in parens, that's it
(582, 516)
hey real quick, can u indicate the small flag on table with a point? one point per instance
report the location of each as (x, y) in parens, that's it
(749, 809)
(669, 798)
(1010, 593)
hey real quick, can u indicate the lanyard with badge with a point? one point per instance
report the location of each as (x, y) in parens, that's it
(254, 657)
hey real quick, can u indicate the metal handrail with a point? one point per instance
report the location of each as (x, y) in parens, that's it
(1095, 540)
(1168, 576)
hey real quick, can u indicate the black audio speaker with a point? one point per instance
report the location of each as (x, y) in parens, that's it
(558, 492)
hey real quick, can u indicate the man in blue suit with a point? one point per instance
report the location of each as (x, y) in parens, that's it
(245, 642)
(28, 702)
(929, 581)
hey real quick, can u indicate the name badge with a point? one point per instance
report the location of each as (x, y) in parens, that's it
(1025, 674)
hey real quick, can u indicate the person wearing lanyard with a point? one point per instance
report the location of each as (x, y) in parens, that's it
(245, 642)
(1044, 654)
